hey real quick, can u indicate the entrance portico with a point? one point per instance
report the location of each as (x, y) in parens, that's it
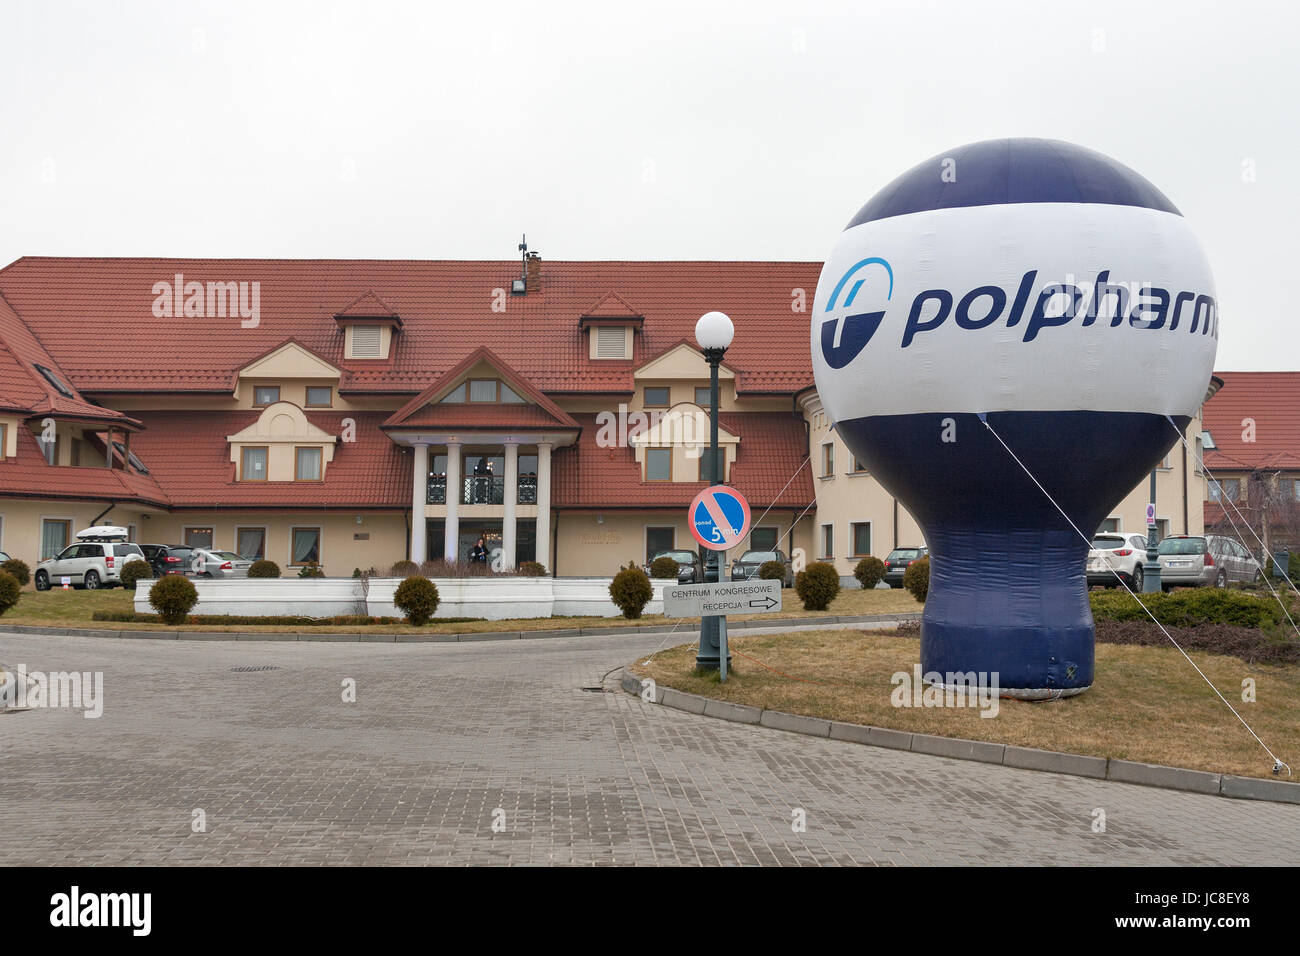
(482, 440)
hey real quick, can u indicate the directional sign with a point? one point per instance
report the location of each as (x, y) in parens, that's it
(729, 597)
(719, 517)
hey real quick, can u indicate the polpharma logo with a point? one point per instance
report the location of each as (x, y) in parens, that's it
(1039, 305)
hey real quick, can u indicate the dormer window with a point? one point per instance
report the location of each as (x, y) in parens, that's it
(482, 391)
(610, 341)
(266, 394)
(367, 342)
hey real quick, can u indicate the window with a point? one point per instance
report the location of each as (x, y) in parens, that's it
(53, 379)
(319, 396)
(657, 540)
(658, 464)
(130, 532)
(858, 467)
(1227, 489)
(54, 536)
(266, 394)
(703, 396)
(1296, 482)
(198, 538)
(253, 464)
(1208, 441)
(509, 395)
(455, 397)
(828, 540)
(306, 546)
(611, 342)
(367, 341)
(483, 390)
(251, 543)
(4, 441)
(763, 539)
(306, 465)
(1168, 461)
(828, 459)
(656, 397)
(861, 533)
(707, 473)
(1110, 524)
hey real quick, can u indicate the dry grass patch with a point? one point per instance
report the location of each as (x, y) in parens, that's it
(1147, 703)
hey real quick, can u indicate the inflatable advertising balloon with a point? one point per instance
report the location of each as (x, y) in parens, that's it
(1026, 292)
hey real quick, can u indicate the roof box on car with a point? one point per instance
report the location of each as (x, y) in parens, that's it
(103, 532)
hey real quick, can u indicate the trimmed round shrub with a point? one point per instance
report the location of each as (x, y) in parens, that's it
(417, 598)
(917, 578)
(771, 571)
(173, 597)
(532, 569)
(817, 585)
(264, 569)
(19, 569)
(9, 588)
(869, 572)
(631, 591)
(133, 572)
(664, 567)
(403, 569)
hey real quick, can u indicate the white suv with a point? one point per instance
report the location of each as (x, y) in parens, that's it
(1117, 552)
(91, 564)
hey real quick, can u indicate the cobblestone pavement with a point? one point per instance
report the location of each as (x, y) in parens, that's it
(443, 738)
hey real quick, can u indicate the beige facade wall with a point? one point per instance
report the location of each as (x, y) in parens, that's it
(21, 520)
(598, 543)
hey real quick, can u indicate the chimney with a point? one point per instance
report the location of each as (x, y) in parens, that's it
(533, 273)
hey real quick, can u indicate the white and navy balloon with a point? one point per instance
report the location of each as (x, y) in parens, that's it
(1061, 297)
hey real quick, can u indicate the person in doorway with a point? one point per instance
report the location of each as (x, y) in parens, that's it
(479, 553)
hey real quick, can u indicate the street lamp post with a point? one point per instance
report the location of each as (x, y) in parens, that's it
(1151, 570)
(713, 333)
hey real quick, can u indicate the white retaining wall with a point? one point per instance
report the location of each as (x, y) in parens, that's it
(496, 599)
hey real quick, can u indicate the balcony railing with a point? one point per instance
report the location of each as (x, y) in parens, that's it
(483, 490)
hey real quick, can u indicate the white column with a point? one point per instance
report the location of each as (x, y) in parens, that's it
(511, 498)
(451, 536)
(419, 495)
(544, 505)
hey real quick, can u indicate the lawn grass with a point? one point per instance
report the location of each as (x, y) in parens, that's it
(1146, 703)
(73, 608)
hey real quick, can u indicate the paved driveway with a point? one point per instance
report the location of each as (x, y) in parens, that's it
(444, 739)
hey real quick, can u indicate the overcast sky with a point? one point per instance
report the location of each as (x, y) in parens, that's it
(700, 130)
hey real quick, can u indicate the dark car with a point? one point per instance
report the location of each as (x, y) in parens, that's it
(156, 554)
(897, 562)
(688, 565)
(177, 560)
(748, 565)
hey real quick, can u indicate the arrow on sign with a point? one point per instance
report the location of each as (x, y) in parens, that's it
(766, 603)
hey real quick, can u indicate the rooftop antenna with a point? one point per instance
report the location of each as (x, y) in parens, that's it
(520, 286)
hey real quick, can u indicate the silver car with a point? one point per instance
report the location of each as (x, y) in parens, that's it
(218, 564)
(1210, 560)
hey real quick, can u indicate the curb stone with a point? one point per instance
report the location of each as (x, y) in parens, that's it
(127, 634)
(1019, 758)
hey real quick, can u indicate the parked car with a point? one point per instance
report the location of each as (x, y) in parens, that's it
(1116, 552)
(748, 565)
(219, 564)
(689, 570)
(898, 560)
(1205, 561)
(95, 561)
(156, 555)
(176, 559)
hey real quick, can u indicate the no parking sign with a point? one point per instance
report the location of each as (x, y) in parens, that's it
(719, 517)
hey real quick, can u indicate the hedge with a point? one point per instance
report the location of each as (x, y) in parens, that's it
(1189, 607)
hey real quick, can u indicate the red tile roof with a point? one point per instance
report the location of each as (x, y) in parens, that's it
(772, 449)
(28, 475)
(446, 309)
(1272, 400)
(24, 389)
(188, 453)
(482, 415)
